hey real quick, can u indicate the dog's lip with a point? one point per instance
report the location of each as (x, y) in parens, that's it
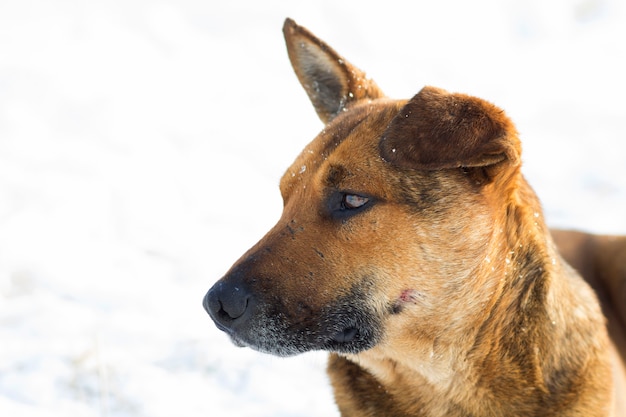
(233, 336)
(223, 328)
(238, 342)
(346, 335)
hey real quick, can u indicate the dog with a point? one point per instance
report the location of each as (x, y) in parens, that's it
(412, 249)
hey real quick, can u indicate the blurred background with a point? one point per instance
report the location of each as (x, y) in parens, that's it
(141, 144)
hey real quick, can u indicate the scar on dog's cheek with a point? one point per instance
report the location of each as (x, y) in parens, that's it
(408, 296)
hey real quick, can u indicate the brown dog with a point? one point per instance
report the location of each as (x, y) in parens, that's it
(412, 248)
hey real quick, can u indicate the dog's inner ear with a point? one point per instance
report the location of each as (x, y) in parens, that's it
(439, 130)
(331, 82)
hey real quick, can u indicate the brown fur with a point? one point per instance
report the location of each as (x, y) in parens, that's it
(411, 247)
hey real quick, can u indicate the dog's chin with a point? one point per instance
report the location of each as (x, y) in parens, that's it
(351, 340)
(272, 349)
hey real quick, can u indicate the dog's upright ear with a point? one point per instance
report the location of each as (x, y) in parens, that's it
(331, 82)
(440, 130)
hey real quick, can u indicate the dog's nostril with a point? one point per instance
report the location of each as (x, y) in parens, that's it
(233, 311)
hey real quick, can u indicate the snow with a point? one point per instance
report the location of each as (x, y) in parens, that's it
(141, 145)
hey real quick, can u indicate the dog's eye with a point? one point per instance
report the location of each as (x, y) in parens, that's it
(353, 201)
(343, 205)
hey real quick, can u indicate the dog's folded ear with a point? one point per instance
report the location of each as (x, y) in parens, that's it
(440, 130)
(331, 82)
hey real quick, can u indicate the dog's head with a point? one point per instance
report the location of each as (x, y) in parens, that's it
(389, 217)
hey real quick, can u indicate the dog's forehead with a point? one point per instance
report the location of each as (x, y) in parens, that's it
(367, 122)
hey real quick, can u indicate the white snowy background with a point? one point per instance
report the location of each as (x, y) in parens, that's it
(141, 144)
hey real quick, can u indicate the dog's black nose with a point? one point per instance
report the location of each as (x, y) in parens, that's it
(228, 305)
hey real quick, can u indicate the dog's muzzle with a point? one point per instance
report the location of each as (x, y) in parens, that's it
(270, 325)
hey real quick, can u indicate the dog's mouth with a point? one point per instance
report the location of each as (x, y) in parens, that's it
(352, 340)
(346, 335)
(354, 328)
